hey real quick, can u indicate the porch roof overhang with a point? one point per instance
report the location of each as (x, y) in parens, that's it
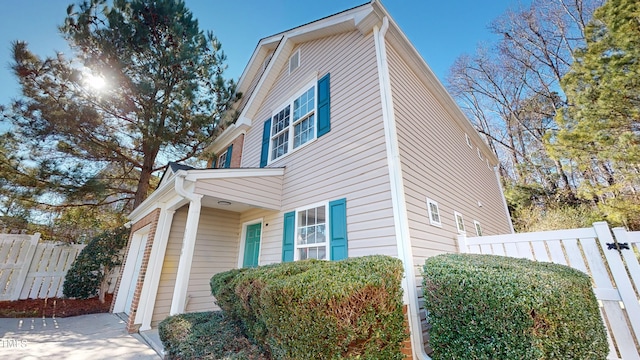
(234, 190)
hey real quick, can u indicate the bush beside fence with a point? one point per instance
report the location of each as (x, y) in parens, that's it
(493, 307)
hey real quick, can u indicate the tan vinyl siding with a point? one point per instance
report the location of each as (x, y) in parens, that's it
(264, 191)
(349, 161)
(216, 250)
(271, 244)
(437, 163)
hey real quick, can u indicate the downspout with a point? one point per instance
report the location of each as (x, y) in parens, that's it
(179, 185)
(504, 199)
(401, 221)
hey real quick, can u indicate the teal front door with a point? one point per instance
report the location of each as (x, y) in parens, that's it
(252, 245)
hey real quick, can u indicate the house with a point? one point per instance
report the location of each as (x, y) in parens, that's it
(346, 145)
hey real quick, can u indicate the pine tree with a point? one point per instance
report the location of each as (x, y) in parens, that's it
(600, 129)
(162, 100)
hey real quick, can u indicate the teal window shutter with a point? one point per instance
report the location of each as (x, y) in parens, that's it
(227, 162)
(324, 105)
(338, 231)
(288, 236)
(266, 136)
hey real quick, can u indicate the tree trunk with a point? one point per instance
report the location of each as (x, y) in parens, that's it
(146, 171)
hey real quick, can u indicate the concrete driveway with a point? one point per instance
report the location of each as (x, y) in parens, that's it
(94, 337)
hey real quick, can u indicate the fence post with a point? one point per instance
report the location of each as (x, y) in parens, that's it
(463, 248)
(620, 276)
(22, 276)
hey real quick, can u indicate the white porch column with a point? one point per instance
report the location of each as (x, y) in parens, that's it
(186, 256)
(154, 270)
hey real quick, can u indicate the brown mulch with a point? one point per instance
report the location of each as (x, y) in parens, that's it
(53, 307)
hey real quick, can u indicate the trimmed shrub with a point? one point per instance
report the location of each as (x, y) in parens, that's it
(319, 309)
(88, 274)
(205, 335)
(494, 307)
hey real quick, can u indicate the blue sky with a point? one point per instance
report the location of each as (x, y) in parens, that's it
(440, 30)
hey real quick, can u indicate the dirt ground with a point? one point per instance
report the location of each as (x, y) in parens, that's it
(53, 307)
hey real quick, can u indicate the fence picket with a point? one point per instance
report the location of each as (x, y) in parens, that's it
(29, 269)
(632, 238)
(540, 251)
(511, 249)
(620, 276)
(498, 249)
(557, 255)
(524, 250)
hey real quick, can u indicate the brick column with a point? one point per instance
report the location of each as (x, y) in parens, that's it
(152, 220)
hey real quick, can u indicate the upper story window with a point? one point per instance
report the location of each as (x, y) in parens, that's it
(468, 140)
(224, 159)
(305, 117)
(294, 61)
(434, 212)
(294, 124)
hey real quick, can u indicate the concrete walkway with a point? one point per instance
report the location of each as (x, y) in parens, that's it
(93, 337)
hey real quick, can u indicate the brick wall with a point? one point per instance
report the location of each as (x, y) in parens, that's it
(407, 349)
(151, 219)
(236, 154)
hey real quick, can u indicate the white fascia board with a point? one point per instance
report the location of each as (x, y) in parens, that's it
(257, 58)
(163, 192)
(338, 23)
(194, 175)
(248, 105)
(229, 134)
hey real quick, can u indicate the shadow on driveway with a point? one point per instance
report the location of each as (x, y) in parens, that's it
(93, 337)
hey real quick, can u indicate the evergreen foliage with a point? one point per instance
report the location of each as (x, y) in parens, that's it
(494, 307)
(88, 274)
(205, 335)
(600, 129)
(163, 97)
(319, 309)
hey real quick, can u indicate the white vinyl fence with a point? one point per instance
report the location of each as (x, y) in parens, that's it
(612, 263)
(33, 270)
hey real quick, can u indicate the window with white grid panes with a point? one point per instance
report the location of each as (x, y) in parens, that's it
(311, 236)
(434, 212)
(294, 124)
(222, 159)
(476, 224)
(459, 222)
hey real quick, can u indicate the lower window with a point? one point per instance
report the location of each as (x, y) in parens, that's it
(311, 237)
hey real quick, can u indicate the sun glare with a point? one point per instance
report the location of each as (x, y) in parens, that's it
(95, 82)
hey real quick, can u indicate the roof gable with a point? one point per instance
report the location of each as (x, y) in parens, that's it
(362, 18)
(172, 169)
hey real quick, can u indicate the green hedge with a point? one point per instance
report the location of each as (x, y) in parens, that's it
(493, 307)
(319, 309)
(205, 335)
